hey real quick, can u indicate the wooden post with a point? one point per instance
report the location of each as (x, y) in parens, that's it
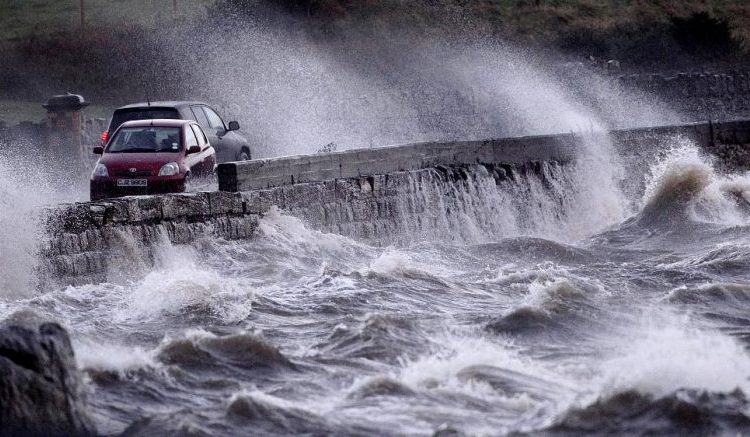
(174, 8)
(83, 20)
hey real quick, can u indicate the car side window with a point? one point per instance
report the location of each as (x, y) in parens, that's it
(191, 139)
(200, 117)
(202, 140)
(214, 119)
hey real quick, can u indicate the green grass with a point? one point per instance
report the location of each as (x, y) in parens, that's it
(21, 19)
(566, 22)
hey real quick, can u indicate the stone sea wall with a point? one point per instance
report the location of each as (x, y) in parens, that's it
(714, 137)
(86, 241)
(267, 173)
(374, 194)
(91, 242)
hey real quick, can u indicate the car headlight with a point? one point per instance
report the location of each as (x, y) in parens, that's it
(169, 169)
(101, 171)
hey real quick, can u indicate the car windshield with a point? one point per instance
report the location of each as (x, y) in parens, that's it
(146, 139)
(122, 115)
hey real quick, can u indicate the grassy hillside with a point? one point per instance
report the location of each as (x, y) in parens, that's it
(530, 19)
(632, 30)
(131, 42)
(616, 27)
(20, 19)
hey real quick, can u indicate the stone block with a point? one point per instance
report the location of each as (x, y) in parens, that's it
(227, 175)
(318, 175)
(269, 198)
(535, 148)
(116, 211)
(98, 213)
(184, 233)
(187, 205)
(242, 227)
(315, 214)
(225, 203)
(252, 202)
(370, 167)
(265, 182)
(349, 169)
(80, 263)
(95, 262)
(143, 208)
(473, 152)
(74, 218)
(378, 182)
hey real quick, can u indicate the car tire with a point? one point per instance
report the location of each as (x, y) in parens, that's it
(244, 155)
(188, 181)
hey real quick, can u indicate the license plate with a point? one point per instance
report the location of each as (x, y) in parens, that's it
(132, 182)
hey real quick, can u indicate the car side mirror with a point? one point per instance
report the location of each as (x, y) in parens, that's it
(193, 149)
(98, 150)
(234, 125)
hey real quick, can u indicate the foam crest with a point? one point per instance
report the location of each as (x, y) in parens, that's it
(179, 283)
(660, 360)
(108, 357)
(442, 369)
(543, 294)
(726, 200)
(198, 347)
(291, 233)
(674, 182)
(391, 262)
(264, 409)
(395, 263)
(685, 185)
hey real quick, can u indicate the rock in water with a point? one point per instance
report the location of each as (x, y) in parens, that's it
(39, 382)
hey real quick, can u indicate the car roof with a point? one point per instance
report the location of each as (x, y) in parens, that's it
(162, 104)
(159, 122)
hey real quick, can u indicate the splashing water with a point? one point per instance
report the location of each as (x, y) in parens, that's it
(542, 302)
(25, 187)
(686, 179)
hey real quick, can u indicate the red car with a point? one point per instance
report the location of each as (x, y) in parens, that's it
(151, 157)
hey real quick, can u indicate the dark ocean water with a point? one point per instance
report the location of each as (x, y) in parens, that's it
(612, 308)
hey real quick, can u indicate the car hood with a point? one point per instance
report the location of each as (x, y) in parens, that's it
(139, 161)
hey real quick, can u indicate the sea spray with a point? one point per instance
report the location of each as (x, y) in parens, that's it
(27, 184)
(684, 182)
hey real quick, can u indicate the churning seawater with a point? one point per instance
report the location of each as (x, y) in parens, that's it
(607, 310)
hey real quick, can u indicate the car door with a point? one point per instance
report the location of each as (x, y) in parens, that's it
(213, 138)
(206, 159)
(192, 160)
(230, 146)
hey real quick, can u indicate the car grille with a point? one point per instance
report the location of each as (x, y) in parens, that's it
(135, 174)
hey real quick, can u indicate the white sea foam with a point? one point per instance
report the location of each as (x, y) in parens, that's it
(661, 359)
(103, 355)
(440, 369)
(26, 185)
(286, 231)
(178, 282)
(392, 262)
(685, 177)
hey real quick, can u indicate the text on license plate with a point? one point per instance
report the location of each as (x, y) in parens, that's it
(132, 182)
